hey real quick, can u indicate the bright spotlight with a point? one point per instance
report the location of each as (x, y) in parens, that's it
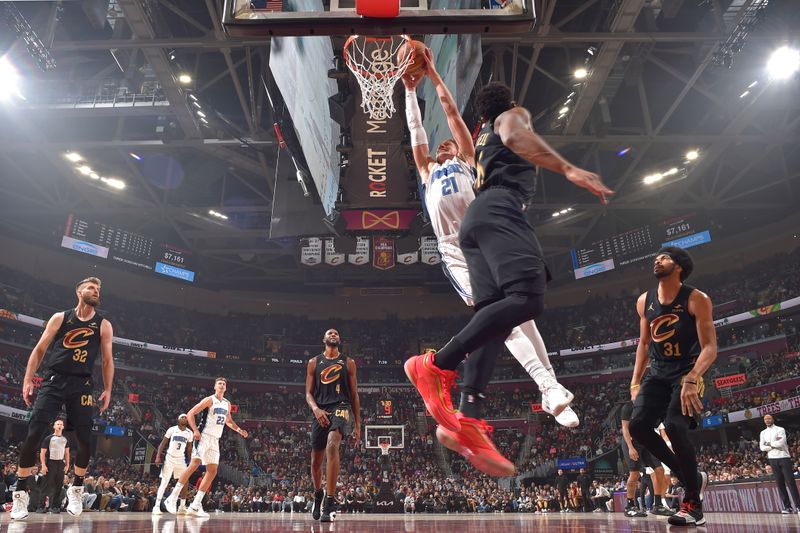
(185, 79)
(563, 111)
(73, 156)
(9, 80)
(84, 169)
(580, 73)
(653, 178)
(115, 183)
(783, 63)
(691, 155)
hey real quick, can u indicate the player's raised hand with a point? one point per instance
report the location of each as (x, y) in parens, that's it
(430, 66)
(357, 436)
(411, 82)
(589, 181)
(104, 400)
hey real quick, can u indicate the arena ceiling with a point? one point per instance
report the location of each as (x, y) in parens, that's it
(666, 76)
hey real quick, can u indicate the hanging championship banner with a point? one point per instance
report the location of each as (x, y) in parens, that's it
(383, 253)
(430, 251)
(361, 257)
(408, 258)
(311, 251)
(331, 257)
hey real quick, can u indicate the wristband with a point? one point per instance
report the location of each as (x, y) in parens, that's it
(635, 386)
(690, 382)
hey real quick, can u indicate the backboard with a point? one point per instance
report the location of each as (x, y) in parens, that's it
(375, 434)
(266, 18)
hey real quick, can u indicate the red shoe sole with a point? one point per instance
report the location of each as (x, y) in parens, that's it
(485, 464)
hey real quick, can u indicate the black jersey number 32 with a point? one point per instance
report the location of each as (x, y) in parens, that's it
(80, 355)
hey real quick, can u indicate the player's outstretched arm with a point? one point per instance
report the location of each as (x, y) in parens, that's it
(106, 352)
(642, 349)
(458, 128)
(516, 131)
(419, 139)
(37, 354)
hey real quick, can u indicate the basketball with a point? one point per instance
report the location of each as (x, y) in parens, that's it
(416, 69)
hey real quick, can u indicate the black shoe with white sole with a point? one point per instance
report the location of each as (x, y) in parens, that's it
(690, 514)
(316, 509)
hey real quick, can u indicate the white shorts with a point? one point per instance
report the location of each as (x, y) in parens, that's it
(207, 450)
(455, 267)
(173, 468)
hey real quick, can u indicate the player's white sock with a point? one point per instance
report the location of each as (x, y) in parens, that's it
(198, 498)
(176, 490)
(522, 343)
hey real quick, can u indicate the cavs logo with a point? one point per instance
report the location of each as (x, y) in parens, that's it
(658, 327)
(330, 374)
(371, 220)
(77, 338)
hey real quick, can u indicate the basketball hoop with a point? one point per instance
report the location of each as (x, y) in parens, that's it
(377, 65)
(384, 446)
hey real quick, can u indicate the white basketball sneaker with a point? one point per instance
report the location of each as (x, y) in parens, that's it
(19, 507)
(555, 397)
(197, 511)
(171, 504)
(75, 500)
(568, 418)
(157, 508)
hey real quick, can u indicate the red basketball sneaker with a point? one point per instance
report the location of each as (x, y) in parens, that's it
(475, 443)
(434, 386)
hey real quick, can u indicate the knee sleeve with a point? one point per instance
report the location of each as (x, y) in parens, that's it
(83, 434)
(30, 448)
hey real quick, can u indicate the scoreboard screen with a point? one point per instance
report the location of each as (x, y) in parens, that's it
(127, 248)
(385, 408)
(638, 244)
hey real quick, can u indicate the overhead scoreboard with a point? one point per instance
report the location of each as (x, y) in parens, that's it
(639, 243)
(127, 248)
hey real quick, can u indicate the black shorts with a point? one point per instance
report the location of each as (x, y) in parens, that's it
(659, 399)
(341, 418)
(70, 393)
(645, 458)
(500, 246)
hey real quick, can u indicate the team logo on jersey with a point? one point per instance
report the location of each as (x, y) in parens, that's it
(657, 327)
(330, 374)
(76, 338)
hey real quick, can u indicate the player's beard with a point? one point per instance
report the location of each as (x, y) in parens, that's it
(332, 343)
(664, 272)
(91, 300)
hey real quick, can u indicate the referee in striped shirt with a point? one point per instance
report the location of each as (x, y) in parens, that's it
(54, 456)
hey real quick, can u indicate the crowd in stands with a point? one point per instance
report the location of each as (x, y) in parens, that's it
(599, 320)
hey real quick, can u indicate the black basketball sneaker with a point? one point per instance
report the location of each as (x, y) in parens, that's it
(328, 509)
(316, 510)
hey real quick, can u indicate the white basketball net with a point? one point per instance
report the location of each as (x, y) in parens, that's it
(384, 446)
(377, 66)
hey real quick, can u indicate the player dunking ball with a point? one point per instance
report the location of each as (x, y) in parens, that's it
(507, 273)
(332, 395)
(447, 180)
(216, 411)
(177, 442)
(677, 333)
(80, 334)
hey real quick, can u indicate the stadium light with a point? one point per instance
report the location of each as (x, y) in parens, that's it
(185, 79)
(84, 169)
(135, 156)
(653, 178)
(783, 63)
(691, 155)
(563, 111)
(74, 157)
(115, 183)
(580, 73)
(9, 80)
